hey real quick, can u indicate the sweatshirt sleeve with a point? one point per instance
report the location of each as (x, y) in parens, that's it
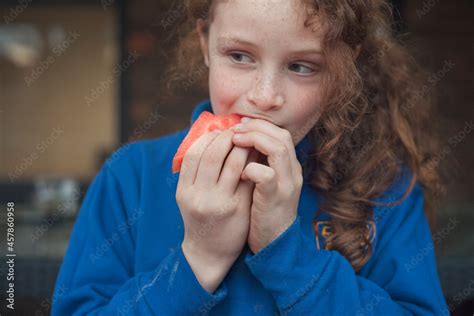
(97, 274)
(399, 279)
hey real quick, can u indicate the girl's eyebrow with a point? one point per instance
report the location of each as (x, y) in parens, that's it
(224, 41)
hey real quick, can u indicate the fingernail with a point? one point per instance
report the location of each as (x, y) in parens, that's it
(245, 119)
(237, 136)
(238, 127)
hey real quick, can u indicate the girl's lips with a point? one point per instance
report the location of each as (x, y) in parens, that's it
(256, 117)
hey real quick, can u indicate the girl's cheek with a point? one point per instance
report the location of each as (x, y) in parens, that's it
(222, 102)
(225, 91)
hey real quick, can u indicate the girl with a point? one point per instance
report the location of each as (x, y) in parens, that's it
(314, 205)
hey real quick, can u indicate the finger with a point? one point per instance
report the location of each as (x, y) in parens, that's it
(213, 159)
(276, 152)
(272, 130)
(233, 166)
(244, 191)
(191, 158)
(245, 187)
(264, 177)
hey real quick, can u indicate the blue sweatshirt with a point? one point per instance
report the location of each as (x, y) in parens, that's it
(125, 256)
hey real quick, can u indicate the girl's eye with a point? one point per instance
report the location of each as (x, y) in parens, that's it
(240, 58)
(305, 69)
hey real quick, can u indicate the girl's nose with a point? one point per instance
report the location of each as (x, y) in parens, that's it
(266, 94)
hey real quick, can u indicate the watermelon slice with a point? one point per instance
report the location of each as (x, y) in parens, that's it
(206, 122)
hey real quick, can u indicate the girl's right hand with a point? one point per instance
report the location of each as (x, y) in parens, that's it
(215, 205)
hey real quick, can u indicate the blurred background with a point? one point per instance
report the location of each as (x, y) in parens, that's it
(80, 78)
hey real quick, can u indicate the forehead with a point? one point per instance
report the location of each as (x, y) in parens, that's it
(263, 20)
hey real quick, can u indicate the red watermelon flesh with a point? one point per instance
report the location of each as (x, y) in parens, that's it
(206, 122)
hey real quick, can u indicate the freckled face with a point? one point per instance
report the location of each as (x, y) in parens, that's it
(264, 63)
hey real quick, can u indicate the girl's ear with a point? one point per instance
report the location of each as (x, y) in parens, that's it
(203, 39)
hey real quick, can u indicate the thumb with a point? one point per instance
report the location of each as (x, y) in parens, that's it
(254, 156)
(246, 185)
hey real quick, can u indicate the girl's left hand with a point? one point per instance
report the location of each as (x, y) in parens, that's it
(277, 186)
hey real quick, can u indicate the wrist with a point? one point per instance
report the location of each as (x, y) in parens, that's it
(268, 237)
(209, 271)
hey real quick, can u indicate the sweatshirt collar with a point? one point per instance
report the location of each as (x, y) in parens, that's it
(302, 149)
